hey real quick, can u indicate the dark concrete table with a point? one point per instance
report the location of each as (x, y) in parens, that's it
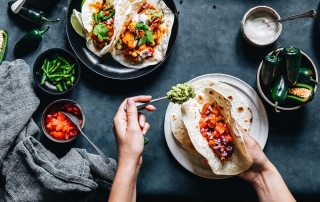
(209, 41)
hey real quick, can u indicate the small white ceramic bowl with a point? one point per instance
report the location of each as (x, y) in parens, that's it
(306, 62)
(258, 12)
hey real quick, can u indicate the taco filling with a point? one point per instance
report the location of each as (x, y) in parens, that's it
(103, 23)
(141, 33)
(216, 131)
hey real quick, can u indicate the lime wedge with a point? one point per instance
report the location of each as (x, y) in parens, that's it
(76, 22)
(82, 2)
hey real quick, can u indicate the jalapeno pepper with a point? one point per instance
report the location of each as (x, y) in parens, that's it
(279, 92)
(270, 66)
(300, 93)
(33, 15)
(292, 61)
(305, 76)
(3, 44)
(29, 40)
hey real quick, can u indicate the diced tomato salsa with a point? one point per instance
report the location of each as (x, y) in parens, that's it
(58, 125)
(215, 130)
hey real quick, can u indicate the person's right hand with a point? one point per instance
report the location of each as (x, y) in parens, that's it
(129, 130)
(260, 161)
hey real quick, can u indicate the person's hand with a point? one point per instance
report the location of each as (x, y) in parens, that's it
(260, 161)
(129, 130)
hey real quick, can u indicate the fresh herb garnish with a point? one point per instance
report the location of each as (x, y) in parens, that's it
(142, 26)
(148, 34)
(101, 31)
(143, 40)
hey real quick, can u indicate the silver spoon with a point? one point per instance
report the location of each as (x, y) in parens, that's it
(16, 6)
(311, 14)
(75, 121)
(141, 105)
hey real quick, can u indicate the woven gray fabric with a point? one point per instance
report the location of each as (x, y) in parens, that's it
(30, 172)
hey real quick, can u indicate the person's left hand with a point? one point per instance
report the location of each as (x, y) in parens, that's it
(129, 130)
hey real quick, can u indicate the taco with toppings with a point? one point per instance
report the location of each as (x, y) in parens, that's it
(144, 37)
(214, 133)
(102, 19)
(240, 110)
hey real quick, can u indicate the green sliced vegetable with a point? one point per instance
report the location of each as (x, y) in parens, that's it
(32, 14)
(292, 61)
(301, 93)
(112, 12)
(58, 71)
(279, 92)
(3, 44)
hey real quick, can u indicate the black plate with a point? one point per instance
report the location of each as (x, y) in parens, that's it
(106, 65)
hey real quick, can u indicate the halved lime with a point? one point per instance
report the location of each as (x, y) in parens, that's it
(76, 22)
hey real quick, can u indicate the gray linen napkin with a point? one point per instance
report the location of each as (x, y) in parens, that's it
(30, 172)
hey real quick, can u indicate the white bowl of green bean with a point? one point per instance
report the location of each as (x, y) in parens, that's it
(56, 71)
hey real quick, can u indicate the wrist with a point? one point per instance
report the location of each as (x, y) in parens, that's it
(128, 166)
(266, 172)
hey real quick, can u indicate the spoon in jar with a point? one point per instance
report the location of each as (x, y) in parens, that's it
(76, 122)
(311, 14)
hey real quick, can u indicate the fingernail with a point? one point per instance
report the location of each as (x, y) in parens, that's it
(130, 102)
(142, 123)
(144, 132)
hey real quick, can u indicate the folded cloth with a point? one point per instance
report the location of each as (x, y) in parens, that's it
(30, 172)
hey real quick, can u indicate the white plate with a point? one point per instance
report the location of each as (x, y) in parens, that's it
(259, 129)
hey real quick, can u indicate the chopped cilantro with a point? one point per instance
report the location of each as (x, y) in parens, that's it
(142, 26)
(143, 40)
(149, 35)
(95, 17)
(100, 14)
(101, 31)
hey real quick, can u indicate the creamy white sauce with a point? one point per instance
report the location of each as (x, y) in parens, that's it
(258, 31)
(140, 18)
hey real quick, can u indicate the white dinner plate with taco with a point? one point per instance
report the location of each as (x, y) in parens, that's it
(247, 110)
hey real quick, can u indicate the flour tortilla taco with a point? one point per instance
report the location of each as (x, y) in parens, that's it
(102, 20)
(214, 133)
(144, 37)
(241, 111)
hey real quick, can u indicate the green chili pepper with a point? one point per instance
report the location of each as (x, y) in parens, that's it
(292, 61)
(56, 67)
(300, 93)
(3, 44)
(279, 92)
(305, 76)
(31, 14)
(59, 87)
(43, 78)
(108, 16)
(29, 40)
(270, 67)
